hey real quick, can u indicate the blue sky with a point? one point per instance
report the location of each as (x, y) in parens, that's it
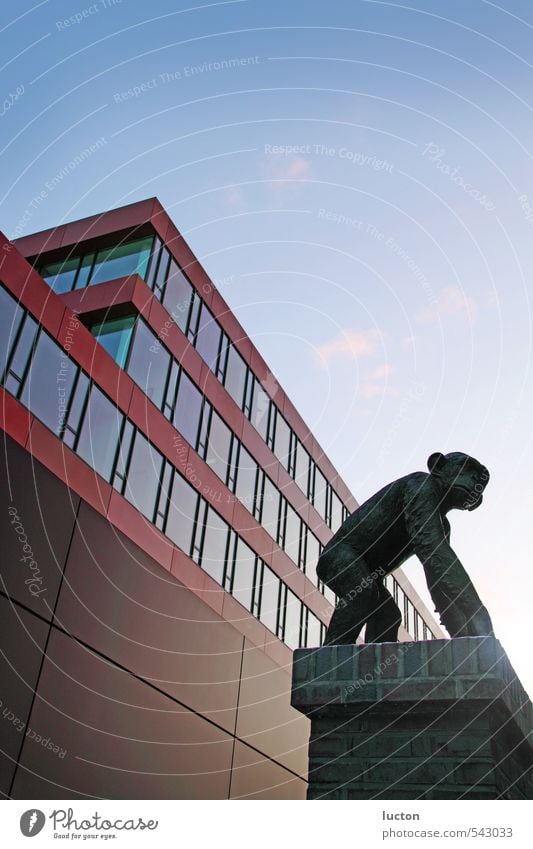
(358, 183)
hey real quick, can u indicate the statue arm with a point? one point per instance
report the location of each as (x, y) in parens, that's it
(461, 610)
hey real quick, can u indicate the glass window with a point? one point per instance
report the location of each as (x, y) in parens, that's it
(60, 275)
(336, 511)
(75, 409)
(10, 317)
(178, 296)
(114, 335)
(49, 383)
(293, 612)
(242, 586)
(270, 507)
(214, 546)
(301, 474)
(161, 276)
(235, 376)
(21, 355)
(293, 530)
(246, 478)
(321, 488)
(99, 434)
(85, 271)
(260, 408)
(314, 630)
(182, 513)
(122, 260)
(208, 338)
(188, 409)
(270, 588)
(144, 473)
(123, 456)
(148, 363)
(311, 557)
(219, 445)
(282, 440)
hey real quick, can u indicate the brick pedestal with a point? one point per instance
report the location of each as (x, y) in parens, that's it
(443, 719)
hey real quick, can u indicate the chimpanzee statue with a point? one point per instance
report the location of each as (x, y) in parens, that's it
(404, 518)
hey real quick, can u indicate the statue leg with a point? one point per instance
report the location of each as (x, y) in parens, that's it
(382, 627)
(346, 573)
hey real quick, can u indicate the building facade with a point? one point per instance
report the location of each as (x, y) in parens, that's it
(165, 508)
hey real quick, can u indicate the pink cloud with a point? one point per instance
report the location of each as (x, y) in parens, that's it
(349, 345)
(382, 371)
(451, 302)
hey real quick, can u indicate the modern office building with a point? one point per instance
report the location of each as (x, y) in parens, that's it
(164, 508)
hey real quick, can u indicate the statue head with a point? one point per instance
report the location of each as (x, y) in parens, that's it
(462, 478)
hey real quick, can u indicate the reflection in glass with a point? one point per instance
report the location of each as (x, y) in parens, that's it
(49, 383)
(214, 547)
(10, 317)
(219, 445)
(270, 588)
(148, 363)
(181, 513)
(144, 473)
(114, 335)
(122, 260)
(243, 575)
(99, 434)
(188, 409)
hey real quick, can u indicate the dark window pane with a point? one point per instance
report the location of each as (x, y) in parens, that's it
(178, 296)
(293, 529)
(99, 433)
(161, 275)
(270, 508)
(311, 558)
(313, 630)
(188, 409)
(243, 574)
(320, 493)
(336, 512)
(235, 376)
(148, 363)
(77, 402)
(246, 477)
(10, 317)
(123, 455)
(22, 354)
(181, 513)
(208, 338)
(122, 260)
(114, 335)
(143, 476)
(214, 547)
(49, 383)
(218, 446)
(60, 275)
(260, 407)
(282, 441)
(293, 611)
(85, 270)
(269, 598)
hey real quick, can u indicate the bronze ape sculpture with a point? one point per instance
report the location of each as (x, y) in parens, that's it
(406, 517)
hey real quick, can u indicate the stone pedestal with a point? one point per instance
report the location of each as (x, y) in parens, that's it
(443, 719)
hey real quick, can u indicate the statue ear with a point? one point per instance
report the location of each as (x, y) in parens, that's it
(435, 461)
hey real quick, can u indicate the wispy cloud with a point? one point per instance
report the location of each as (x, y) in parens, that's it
(349, 345)
(452, 302)
(377, 384)
(287, 173)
